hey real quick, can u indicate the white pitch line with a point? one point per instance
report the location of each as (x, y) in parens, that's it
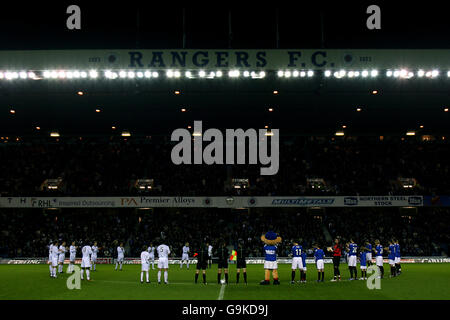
(138, 282)
(221, 293)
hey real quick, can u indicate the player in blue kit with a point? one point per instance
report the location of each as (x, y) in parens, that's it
(297, 262)
(397, 260)
(391, 257)
(363, 264)
(352, 251)
(379, 257)
(318, 255)
(303, 273)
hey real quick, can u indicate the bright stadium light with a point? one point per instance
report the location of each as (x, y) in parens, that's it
(339, 133)
(177, 74)
(310, 73)
(46, 74)
(131, 74)
(420, 73)
(374, 73)
(327, 73)
(169, 74)
(54, 74)
(93, 74)
(83, 74)
(350, 74)
(61, 74)
(302, 74)
(122, 74)
(356, 74)
(287, 74)
(342, 73)
(246, 74)
(126, 133)
(140, 74)
(280, 74)
(448, 74)
(147, 74)
(396, 74)
(233, 73)
(212, 74)
(69, 74)
(76, 74)
(188, 74)
(22, 75)
(295, 73)
(434, 73)
(410, 133)
(262, 74)
(403, 73)
(54, 134)
(31, 75)
(219, 73)
(364, 73)
(389, 73)
(336, 74)
(155, 74)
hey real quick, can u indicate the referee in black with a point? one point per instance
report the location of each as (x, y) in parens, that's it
(241, 254)
(202, 261)
(223, 255)
(337, 252)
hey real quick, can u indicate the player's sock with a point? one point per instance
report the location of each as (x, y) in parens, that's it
(166, 276)
(382, 271)
(142, 276)
(237, 277)
(351, 272)
(116, 265)
(187, 265)
(226, 278)
(204, 278)
(293, 275)
(323, 275)
(159, 276)
(196, 277)
(121, 265)
(94, 266)
(50, 268)
(356, 272)
(88, 274)
(147, 276)
(399, 267)
(82, 274)
(181, 265)
(218, 277)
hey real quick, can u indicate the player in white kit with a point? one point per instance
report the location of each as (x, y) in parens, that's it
(72, 255)
(61, 256)
(145, 264)
(163, 262)
(151, 250)
(120, 255)
(86, 252)
(185, 256)
(95, 250)
(210, 249)
(54, 258)
(49, 262)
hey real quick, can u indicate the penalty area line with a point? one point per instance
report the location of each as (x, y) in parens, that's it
(221, 293)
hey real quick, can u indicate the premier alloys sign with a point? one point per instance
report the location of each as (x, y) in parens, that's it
(21, 63)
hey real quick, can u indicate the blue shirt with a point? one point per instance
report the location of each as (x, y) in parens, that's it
(270, 253)
(397, 250)
(352, 249)
(379, 250)
(304, 258)
(318, 254)
(391, 255)
(297, 251)
(369, 248)
(362, 258)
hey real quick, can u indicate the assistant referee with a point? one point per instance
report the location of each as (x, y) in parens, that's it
(337, 252)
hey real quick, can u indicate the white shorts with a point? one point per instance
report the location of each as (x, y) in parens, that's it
(85, 263)
(297, 263)
(120, 259)
(369, 256)
(163, 263)
(379, 261)
(152, 257)
(94, 258)
(352, 261)
(391, 262)
(271, 265)
(72, 258)
(185, 257)
(319, 264)
(363, 267)
(145, 266)
(49, 258)
(61, 258)
(397, 259)
(54, 262)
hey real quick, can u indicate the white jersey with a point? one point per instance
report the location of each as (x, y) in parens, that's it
(72, 250)
(94, 250)
(185, 250)
(145, 257)
(62, 250)
(120, 252)
(55, 252)
(151, 250)
(163, 251)
(210, 250)
(50, 252)
(87, 252)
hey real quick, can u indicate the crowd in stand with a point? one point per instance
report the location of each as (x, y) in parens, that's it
(88, 167)
(28, 232)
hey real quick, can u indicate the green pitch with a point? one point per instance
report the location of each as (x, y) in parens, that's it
(418, 281)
